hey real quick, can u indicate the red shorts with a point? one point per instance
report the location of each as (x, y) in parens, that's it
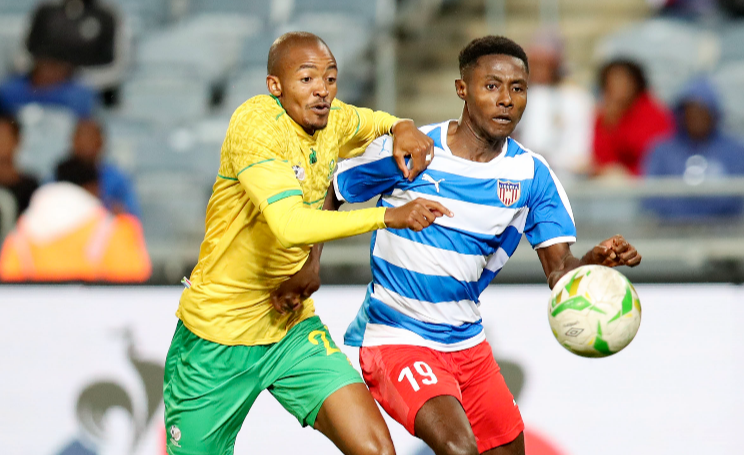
(402, 378)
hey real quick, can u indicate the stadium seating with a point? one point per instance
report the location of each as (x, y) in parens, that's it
(732, 38)
(46, 138)
(210, 43)
(244, 85)
(173, 208)
(8, 212)
(17, 6)
(143, 14)
(260, 9)
(360, 9)
(165, 96)
(672, 52)
(729, 80)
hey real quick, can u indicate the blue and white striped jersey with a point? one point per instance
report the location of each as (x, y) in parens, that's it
(426, 285)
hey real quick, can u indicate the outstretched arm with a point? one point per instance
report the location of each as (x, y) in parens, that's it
(364, 126)
(557, 260)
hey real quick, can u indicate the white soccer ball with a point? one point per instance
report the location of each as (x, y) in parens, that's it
(594, 311)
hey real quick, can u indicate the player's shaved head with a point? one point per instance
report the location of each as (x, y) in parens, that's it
(302, 77)
(282, 48)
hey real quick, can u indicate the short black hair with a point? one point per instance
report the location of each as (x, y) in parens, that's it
(633, 67)
(7, 117)
(77, 171)
(490, 45)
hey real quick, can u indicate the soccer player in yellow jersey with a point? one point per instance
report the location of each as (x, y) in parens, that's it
(238, 332)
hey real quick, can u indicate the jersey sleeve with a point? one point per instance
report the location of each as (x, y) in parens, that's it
(360, 127)
(373, 173)
(550, 219)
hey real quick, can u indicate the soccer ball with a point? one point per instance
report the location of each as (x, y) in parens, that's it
(594, 311)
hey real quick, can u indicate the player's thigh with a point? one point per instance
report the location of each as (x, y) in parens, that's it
(208, 390)
(315, 369)
(489, 405)
(443, 425)
(350, 418)
(402, 378)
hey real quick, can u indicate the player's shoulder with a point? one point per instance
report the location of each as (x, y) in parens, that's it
(529, 158)
(437, 132)
(259, 110)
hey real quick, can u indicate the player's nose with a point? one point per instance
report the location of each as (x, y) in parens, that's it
(322, 90)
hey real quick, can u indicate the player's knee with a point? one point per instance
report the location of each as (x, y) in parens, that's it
(378, 446)
(462, 446)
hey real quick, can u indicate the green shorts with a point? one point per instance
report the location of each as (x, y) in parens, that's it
(209, 387)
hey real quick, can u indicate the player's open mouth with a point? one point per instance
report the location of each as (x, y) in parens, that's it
(321, 109)
(502, 119)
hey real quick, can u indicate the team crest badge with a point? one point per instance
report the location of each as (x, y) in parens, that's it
(299, 172)
(509, 192)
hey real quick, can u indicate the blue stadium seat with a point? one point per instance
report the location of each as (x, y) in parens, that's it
(361, 10)
(165, 96)
(244, 85)
(672, 52)
(258, 8)
(143, 14)
(256, 49)
(211, 43)
(173, 209)
(125, 137)
(334, 29)
(732, 39)
(729, 81)
(17, 6)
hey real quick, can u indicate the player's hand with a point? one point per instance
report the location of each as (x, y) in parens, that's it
(416, 215)
(409, 141)
(615, 251)
(288, 297)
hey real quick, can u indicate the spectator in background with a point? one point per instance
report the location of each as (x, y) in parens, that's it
(698, 151)
(629, 120)
(89, 35)
(67, 235)
(63, 37)
(558, 121)
(115, 189)
(50, 83)
(79, 32)
(19, 184)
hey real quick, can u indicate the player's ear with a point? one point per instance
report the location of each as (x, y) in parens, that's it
(461, 88)
(274, 86)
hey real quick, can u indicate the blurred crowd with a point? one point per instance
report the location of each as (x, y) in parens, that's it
(82, 222)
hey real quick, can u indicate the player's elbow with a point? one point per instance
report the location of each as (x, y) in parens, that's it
(284, 235)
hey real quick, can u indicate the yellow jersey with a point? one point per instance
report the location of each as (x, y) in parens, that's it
(263, 217)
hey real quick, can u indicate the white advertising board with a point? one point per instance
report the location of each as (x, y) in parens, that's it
(81, 374)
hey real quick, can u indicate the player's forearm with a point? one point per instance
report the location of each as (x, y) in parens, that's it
(557, 260)
(294, 225)
(330, 204)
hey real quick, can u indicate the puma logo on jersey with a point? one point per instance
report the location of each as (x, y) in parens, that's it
(428, 178)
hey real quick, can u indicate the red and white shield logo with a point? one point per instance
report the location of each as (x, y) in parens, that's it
(509, 192)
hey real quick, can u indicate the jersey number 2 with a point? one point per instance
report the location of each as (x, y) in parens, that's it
(423, 370)
(329, 350)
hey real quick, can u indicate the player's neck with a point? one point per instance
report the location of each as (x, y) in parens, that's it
(465, 141)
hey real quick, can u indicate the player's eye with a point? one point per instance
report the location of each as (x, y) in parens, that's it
(306, 79)
(332, 80)
(518, 89)
(491, 86)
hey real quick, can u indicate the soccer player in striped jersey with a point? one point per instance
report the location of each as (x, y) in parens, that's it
(237, 333)
(423, 351)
